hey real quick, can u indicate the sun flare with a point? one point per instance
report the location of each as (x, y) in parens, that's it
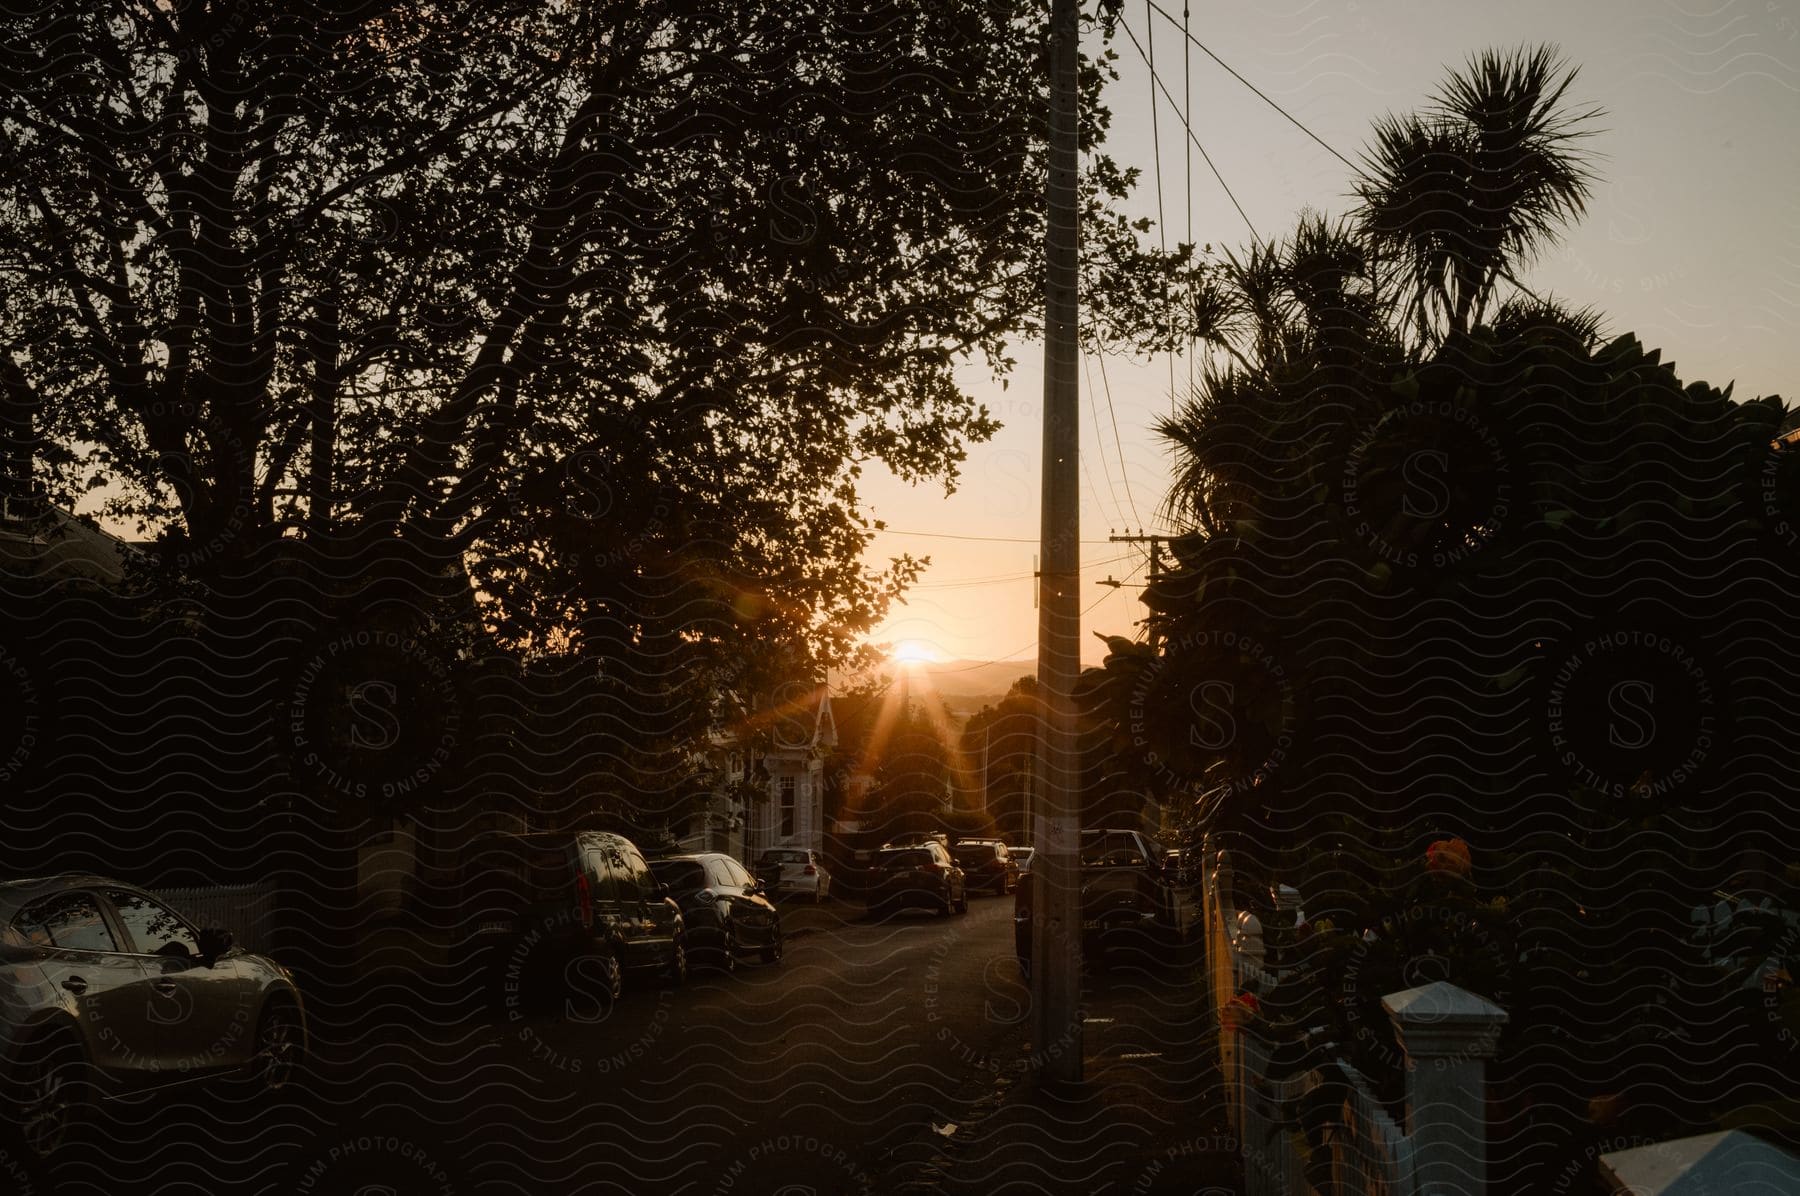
(915, 652)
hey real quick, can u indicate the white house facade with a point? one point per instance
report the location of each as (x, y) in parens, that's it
(787, 767)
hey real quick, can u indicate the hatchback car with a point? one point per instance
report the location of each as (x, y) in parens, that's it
(104, 990)
(923, 875)
(533, 905)
(987, 864)
(796, 870)
(722, 906)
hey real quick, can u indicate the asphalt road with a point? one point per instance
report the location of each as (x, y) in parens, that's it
(827, 1072)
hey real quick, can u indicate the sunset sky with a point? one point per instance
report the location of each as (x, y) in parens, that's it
(1692, 241)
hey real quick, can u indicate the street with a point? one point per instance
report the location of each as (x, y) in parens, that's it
(876, 1057)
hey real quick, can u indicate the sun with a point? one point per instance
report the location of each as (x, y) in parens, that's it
(913, 653)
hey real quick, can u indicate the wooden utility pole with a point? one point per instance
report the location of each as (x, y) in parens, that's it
(1056, 871)
(1154, 541)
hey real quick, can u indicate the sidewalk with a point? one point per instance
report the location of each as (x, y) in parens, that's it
(1148, 1119)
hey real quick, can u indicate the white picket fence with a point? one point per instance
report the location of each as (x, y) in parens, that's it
(1446, 1033)
(247, 911)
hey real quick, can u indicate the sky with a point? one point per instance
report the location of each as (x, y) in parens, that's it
(1691, 241)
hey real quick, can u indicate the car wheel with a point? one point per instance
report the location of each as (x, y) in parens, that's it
(946, 904)
(614, 973)
(677, 969)
(54, 1094)
(772, 952)
(728, 952)
(279, 1040)
(962, 903)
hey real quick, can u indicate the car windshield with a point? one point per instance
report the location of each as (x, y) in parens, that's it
(784, 857)
(903, 858)
(682, 876)
(973, 855)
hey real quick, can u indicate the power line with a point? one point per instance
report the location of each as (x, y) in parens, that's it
(892, 531)
(1265, 99)
(1100, 442)
(998, 578)
(1187, 163)
(1162, 224)
(1157, 81)
(1117, 443)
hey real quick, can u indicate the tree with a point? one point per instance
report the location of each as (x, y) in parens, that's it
(1001, 742)
(608, 302)
(1455, 199)
(1481, 574)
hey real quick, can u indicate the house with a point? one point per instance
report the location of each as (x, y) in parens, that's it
(794, 762)
(719, 824)
(45, 542)
(771, 787)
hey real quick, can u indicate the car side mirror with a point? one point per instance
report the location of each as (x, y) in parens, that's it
(662, 890)
(213, 943)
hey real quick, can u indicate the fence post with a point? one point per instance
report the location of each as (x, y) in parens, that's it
(1448, 1035)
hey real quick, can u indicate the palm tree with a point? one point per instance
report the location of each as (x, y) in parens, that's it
(1455, 197)
(1292, 322)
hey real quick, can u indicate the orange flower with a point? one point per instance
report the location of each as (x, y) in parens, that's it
(1240, 1011)
(1448, 857)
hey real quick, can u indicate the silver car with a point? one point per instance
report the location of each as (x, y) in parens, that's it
(795, 870)
(105, 989)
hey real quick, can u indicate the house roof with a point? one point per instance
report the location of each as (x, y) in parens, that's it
(797, 720)
(54, 545)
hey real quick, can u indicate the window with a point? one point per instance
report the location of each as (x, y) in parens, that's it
(74, 923)
(738, 875)
(787, 806)
(682, 876)
(605, 878)
(635, 883)
(153, 929)
(31, 930)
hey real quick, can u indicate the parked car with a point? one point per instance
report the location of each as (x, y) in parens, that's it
(796, 870)
(914, 838)
(537, 903)
(987, 864)
(1022, 857)
(1126, 901)
(921, 875)
(105, 990)
(722, 906)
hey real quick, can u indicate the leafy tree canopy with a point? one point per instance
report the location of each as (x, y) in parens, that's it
(610, 301)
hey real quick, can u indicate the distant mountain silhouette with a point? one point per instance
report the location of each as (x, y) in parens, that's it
(968, 685)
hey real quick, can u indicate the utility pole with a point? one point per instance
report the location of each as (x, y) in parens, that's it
(1154, 541)
(1056, 915)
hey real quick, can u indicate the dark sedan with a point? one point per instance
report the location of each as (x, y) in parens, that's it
(723, 906)
(104, 989)
(923, 875)
(987, 864)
